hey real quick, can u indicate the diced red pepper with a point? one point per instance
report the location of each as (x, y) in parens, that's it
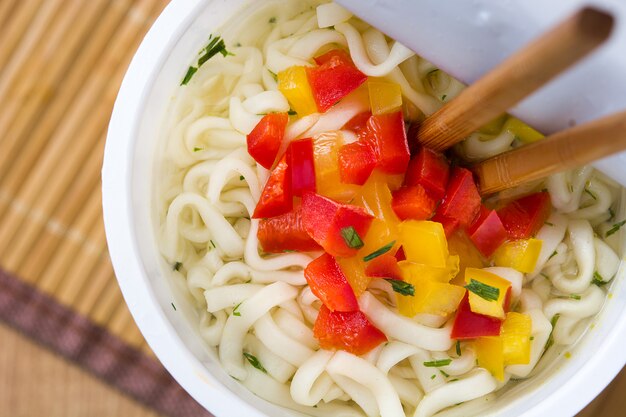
(349, 331)
(356, 162)
(301, 163)
(400, 256)
(276, 198)
(334, 78)
(449, 224)
(338, 228)
(383, 266)
(524, 217)
(462, 201)
(387, 135)
(429, 169)
(487, 231)
(469, 325)
(266, 137)
(285, 233)
(412, 202)
(358, 124)
(330, 285)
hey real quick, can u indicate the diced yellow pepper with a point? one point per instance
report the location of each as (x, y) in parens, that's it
(325, 155)
(480, 305)
(432, 296)
(354, 270)
(424, 242)
(294, 85)
(515, 334)
(413, 272)
(520, 129)
(519, 254)
(385, 96)
(469, 257)
(489, 355)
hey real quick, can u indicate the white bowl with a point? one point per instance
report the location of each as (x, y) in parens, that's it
(144, 277)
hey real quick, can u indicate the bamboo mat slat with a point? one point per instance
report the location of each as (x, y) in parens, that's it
(61, 64)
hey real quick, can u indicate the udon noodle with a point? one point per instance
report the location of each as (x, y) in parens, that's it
(260, 305)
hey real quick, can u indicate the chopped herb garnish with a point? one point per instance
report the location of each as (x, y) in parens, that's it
(351, 237)
(213, 244)
(173, 306)
(444, 97)
(241, 178)
(176, 266)
(292, 112)
(254, 362)
(548, 223)
(615, 228)
(574, 296)
(452, 380)
(592, 195)
(532, 338)
(272, 20)
(190, 72)
(196, 149)
(437, 363)
(544, 275)
(236, 311)
(550, 341)
(458, 348)
(553, 255)
(482, 290)
(433, 376)
(401, 287)
(598, 280)
(380, 251)
(570, 187)
(274, 75)
(612, 213)
(444, 374)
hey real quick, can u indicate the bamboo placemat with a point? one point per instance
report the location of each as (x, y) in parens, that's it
(61, 64)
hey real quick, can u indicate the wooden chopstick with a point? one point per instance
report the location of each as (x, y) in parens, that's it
(515, 78)
(564, 150)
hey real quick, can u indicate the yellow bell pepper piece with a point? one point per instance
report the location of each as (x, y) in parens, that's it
(433, 295)
(481, 305)
(385, 96)
(469, 257)
(294, 85)
(354, 270)
(521, 130)
(489, 355)
(515, 334)
(424, 242)
(519, 254)
(325, 156)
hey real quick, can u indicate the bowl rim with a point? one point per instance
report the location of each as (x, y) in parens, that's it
(159, 332)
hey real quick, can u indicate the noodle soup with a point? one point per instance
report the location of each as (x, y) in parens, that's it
(273, 324)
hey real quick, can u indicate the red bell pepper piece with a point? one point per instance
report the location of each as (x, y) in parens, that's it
(266, 137)
(429, 169)
(358, 124)
(524, 217)
(349, 331)
(285, 233)
(276, 197)
(383, 266)
(449, 224)
(413, 202)
(356, 162)
(330, 285)
(334, 78)
(338, 228)
(301, 163)
(462, 201)
(400, 256)
(469, 325)
(487, 231)
(387, 136)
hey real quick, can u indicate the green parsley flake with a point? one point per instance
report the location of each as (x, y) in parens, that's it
(433, 376)
(254, 362)
(444, 374)
(458, 348)
(173, 306)
(292, 112)
(213, 244)
(351, 237)
(553, 255)
(216, 46)
(550, 341)
(236, 311)
(274, 75)
(176, 266)
(532, 338)
(443, 98)
(198, 149)
(615, 228)
(548, 223)
(612, 213)
(592, 195)
(401, 287)
(380, 251)
(272, 20)
(598, 280)
(190, 72)
(574, 296)
(437, 363)
(484, 291)
(241, 178)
